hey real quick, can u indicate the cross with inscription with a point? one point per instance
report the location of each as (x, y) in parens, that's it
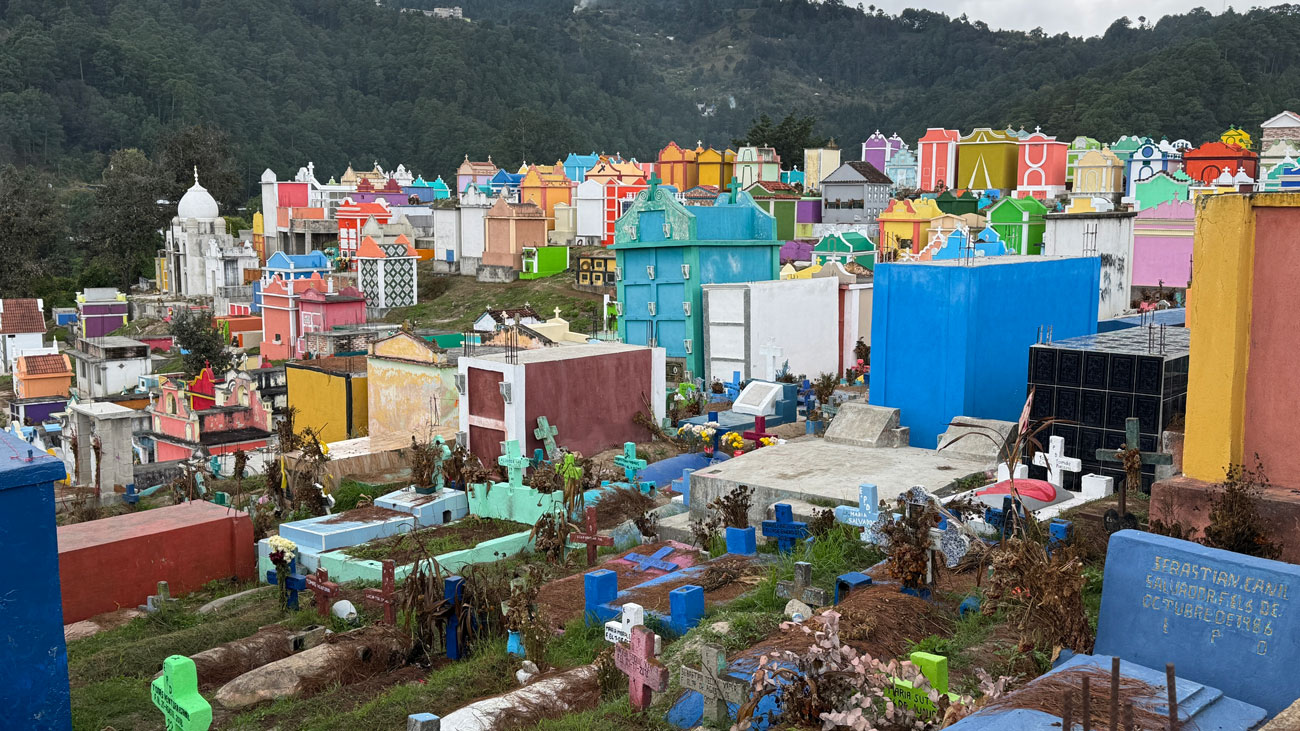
(1056, 462)
(386, 594)
(591, 537)
(1130, 455)
(547, 433)
(759, 432)
(176, 694)
(717, 689)
(655, 561)
(513, 462)
(620, 630)
(644, 673)
(734, 187)
(785, 529)
(801, 588)
(863, 516)
(323, 589)
(629, 462)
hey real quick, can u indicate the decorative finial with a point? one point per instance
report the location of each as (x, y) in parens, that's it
(196, 174)
(557, 313)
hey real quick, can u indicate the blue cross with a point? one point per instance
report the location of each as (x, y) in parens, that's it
(683, 485)
(295, 583)
(629, 462)
(644, 563)
(867, 512)
(785, 528)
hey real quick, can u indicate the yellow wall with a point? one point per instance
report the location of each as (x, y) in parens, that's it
(403, 397)
(321, 400)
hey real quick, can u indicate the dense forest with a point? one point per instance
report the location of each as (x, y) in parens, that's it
(275, 83)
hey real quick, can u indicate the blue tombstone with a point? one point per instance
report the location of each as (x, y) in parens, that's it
(131, 497)
(453, 590)
(295, 583)
(423, 722)
(742, 541)
(785, 529)
(683, 485)
(599, 588)
(1059, 533)
(655, 561)
(846, 584)
(686, 607)
(515, 644)
(867, 512)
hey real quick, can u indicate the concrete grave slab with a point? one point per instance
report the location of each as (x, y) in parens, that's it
(437, 508)
(860, 424)
(318, 534)
(758, 398)
(993, 446)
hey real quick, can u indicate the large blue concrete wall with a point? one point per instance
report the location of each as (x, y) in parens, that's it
(949, 339)
(34, 693)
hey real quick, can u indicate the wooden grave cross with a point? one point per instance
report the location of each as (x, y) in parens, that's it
(176, 694)
(513, 462)
(1056, 462)
(785, 529)
(591, 537)
(629, 462)
(323, 589)
(386, 594)
(717, 689)
(1130, 455)
(644, 673)
(801, 588)
(655, 561)
(620, 630)
(547, 433)
(759, 432)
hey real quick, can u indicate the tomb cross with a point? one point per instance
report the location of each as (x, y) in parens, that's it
(546, 432)
(710, 683)
(734, 187)
(770, 352)
(629, 462)
(294, 583)
(863, 516)
(655, 181)
(644, 673)
(591, 537)
(785, 529)
(1056, 462)
(655, 561)
(620, 630)
(513, 462)
(176, 694)
(759, 432)
(323, 589)
(385, 595)
(1130, 455)
(801, 588)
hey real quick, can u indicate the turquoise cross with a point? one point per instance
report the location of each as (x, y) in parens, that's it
(547, 433)
(734, 187)
(655, 181)
(629, 462)
(513, 462)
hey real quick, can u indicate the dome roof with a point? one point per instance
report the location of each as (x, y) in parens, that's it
(197, 202)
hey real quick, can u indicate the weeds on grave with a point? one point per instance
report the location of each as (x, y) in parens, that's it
(734, 506)
(1042, 595)
(611, 681)
(550, 536)
(909, 544)
(425, 611)
(1235, 522)
(463, 468)
(823, 522)
(706, 531)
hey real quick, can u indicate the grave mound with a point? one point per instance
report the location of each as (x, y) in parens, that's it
(437, 540)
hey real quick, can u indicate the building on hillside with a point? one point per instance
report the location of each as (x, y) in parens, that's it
(1041, 170)
(330, 395)
(937, 151)
(386, 273)
(446, 237)
(782, 201)
(565, 232)
(589, 205)
(666, 251)
(108, 366)
(589, 392)
(411, 386)
(716, 167)
(1162, 246)
(425, 192)
(596, 273)
(1149, 158)
(1207, 162)
(472, 209)
(701, 195)
(678, 167)
(203, 418)
(389, 191)
(1019, 223)
(505, 184)
(180, 266)
(958, 202)
(545, 187)
(905, 225)
(42, 384)
(575, 166)
(352, 217)
(818, 162)
(854, 318)
(615, 169)
(1098, 174)
(617, 197)
(754, 165)
(509, 227)
(289, 311)
(273, 387)
(1126, 145)
(846, 247)
(290, 266)
(229, 272)
(494, 319)
(1107, 235)
(100, 311)
(474, 173)
(879, 149)
(1078, 147)
(987, 160)
(1279, 139)
(902, 169)
(855, 192)
(1235, 135)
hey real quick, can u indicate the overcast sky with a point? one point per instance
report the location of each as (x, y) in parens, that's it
(1062, 16)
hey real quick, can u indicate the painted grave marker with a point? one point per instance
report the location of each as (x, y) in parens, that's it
(1132, 457)
(323, 589)
(654, 561)
(801, 588)
(294, 583)
(386, 596)
(741, 541)
(599, 588)
(630, 463)
(682, 486)
(547, 433)
(452, 591)
(158, 602)
(176, 694)
(685, 607)
(711, 683)
(846, 584)
(620, 630)
(1056, 462)
(591, 537)
(759, 432)
(785, 529)
(423, 722)
(514, 462)
(935, 670)
(867, 512)
(644, 673)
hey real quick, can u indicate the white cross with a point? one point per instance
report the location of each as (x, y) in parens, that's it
(1056, 462)
(1004, 472)
(621, 630)
(771, 351)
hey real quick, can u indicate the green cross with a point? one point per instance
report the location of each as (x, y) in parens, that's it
(734, 187)
(176, 694)
(1132, 440)
(570, 470)
(655, 181)
(547, 433)
(629, 462)
(513, 462)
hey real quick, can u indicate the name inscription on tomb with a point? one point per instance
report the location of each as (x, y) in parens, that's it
(1224, 600)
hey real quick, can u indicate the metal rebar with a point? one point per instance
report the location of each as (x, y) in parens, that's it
(1086, 712)
(1067, 716)
(1171, 681)
(1114, 694)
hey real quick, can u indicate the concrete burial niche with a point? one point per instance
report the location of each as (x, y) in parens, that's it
(1223, 619)
(32, 651)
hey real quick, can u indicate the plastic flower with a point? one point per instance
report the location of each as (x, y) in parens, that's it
(285, 548)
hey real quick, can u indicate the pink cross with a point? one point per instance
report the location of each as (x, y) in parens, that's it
(323, 589)
(760, 431)
(644, 673)
(386, 595)
(591, 537)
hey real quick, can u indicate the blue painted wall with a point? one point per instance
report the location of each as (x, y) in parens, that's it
(34, 694)
(948, 338)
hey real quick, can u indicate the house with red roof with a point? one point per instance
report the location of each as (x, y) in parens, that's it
(386, 272)
(22, 330)
(352, 216)
(291, 308)
(41, 387)
(202, 415)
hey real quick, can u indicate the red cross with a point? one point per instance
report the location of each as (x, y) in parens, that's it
(644, 673)
(386, 595)
(591, 537)
(323, 589)
(759, 433)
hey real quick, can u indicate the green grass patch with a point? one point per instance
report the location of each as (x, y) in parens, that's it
(822, 502)
(613, 715)
(118, 702)
(459, 301)
(579, 644)
(350, 491)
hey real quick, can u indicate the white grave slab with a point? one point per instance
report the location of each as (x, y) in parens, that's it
(758, 398)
